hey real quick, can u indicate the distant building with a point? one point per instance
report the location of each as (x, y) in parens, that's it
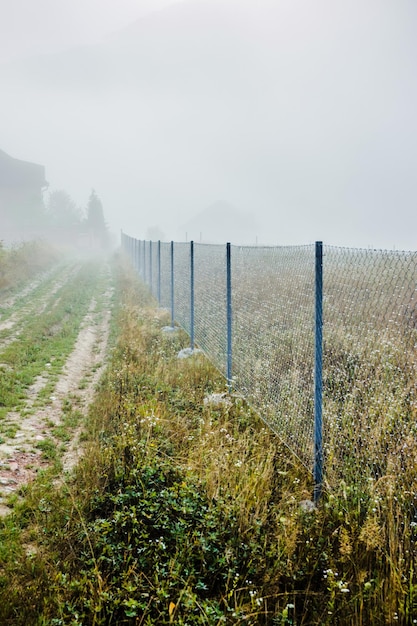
(21, 197)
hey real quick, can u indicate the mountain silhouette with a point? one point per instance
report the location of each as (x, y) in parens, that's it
(222, 221)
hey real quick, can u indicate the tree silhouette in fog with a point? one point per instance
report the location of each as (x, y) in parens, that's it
(64, 217)
(95, 223)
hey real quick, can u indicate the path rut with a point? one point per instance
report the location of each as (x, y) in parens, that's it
(21, 455)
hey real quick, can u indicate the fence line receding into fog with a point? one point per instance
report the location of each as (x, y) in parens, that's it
(320, 340)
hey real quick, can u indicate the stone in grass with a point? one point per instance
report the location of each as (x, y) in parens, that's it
(217, 400)
(169, 329)
(187, 352)
(308, 506)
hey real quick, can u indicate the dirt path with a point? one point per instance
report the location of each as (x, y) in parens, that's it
(22, 453)
(17, 309)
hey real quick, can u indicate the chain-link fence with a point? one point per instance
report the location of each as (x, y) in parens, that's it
(273, 338)
(255, 315)
(370, 367)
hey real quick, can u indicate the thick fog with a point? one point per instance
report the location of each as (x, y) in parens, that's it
(277, 122)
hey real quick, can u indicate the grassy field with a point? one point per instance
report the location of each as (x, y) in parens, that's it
(22, 262)
(184, 512)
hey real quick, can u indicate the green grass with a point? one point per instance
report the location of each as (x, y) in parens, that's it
(22, 262)
(48, 448)
(9, 429)
(25, 304)
(47, 339)
(183, 514)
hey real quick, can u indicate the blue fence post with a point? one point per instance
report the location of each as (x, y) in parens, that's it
(318, 375)
(150, 267)
(172, 285)
(159, 272)
(192, 294)
(139, 257)
(144, 261)
(229, 315)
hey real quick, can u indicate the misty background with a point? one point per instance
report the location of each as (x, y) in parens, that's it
(253, 121)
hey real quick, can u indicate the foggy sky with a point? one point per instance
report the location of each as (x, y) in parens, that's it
(300, 113)
(30, 27)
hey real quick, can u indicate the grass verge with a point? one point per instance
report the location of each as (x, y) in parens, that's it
(182, 512)
(22, 262)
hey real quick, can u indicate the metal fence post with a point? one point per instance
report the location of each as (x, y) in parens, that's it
(150, 267)
(159, 272)
(192, 294)
(172, 284)
(318, 375)
(144, 260)
(229, 315)
(139, 257)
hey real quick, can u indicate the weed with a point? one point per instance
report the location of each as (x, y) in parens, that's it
(48, 448)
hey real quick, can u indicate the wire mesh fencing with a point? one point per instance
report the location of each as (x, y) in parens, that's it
(210, 303)
(182, 285)
(165, 276)
(370, 367)
(273, 339)
(346, 398)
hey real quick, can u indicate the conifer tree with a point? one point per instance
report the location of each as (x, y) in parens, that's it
(95, 223)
